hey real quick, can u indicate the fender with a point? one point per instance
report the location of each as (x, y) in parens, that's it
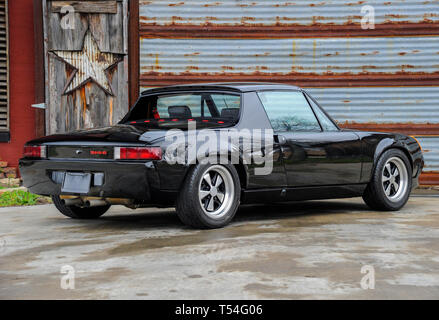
(375, 144)
(384, 145)
(225, 153)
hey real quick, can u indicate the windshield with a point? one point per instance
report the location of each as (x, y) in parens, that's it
(175, 109)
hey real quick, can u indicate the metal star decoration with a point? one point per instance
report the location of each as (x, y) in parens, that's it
(91, 64)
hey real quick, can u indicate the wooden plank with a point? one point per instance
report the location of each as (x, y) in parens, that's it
(89, 105)
(108, 30)
(65, 39)
(40, 92)
(133, 52)
(86, 6)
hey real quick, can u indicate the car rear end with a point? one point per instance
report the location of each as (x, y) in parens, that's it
(95, 170)
(124, 162)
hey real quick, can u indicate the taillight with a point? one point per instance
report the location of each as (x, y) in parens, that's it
(138, 153)
(34, 152)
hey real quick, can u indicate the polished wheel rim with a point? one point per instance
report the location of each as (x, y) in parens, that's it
(395, 179)
(216, 191)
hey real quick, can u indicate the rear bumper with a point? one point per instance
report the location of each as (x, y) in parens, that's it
(131, 180)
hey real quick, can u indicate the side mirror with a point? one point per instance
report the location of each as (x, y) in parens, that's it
(280, 139)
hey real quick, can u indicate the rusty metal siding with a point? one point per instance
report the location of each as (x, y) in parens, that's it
(318, 56)
(380, 104)
(384, 106)
(384, 79)
(302, 12)
(430, 146)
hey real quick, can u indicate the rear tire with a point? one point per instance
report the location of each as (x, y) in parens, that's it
(391, 183)
(210, 196)
(76, 212)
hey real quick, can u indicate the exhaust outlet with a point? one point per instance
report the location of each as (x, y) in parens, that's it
(125, 202)
(73, 202)
(95, 203)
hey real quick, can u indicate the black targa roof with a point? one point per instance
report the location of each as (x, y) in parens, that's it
(232, 86)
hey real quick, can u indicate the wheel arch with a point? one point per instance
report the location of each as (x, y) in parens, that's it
(374, 195)
(241, 169)
(386, 145)
(243, 174)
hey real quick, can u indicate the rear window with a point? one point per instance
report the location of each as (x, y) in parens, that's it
(181, 107)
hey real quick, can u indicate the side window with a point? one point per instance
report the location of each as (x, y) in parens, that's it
(289, 111)
(325, 122)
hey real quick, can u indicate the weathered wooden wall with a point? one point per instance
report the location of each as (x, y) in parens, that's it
(78, 95)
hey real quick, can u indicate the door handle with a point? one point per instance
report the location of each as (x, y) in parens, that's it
(280, 139)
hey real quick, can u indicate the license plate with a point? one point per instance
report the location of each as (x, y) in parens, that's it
(76, 182)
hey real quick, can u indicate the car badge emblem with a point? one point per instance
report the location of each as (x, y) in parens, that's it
(78, 151)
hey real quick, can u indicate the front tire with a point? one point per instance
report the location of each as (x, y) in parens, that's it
(76, 212)
(210, 196)
(391, 183)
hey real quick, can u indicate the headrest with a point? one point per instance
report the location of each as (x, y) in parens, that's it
(230, 113)
(179, 112)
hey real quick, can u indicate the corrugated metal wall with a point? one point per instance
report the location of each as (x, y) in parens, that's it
(267, 12)
(282, 56)
(386, 78)
(380, 104)
(430, 147)
(385, 107)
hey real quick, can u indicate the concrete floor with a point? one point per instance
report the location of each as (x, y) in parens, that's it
(311, 250)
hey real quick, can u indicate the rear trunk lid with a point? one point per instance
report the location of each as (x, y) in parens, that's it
(118, 133)
(97, 143)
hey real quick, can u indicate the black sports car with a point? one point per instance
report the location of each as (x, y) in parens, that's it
(207, 148)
